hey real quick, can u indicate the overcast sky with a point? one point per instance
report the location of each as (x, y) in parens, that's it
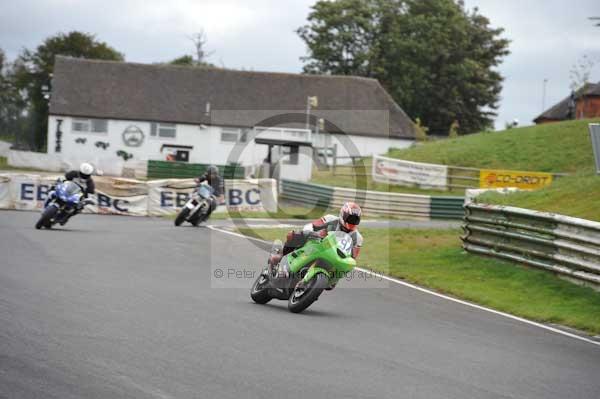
(548, 36)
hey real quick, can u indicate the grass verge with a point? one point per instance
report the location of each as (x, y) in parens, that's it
(572, 195)
(434, 259)
(554, 147)
(551, 147)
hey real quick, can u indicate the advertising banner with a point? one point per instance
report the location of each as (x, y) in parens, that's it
(28, 192)
(254, 195)
(135, 205)
(406, 173)
(166, 197)
(5, 200)
(490, 178)
(137, 198)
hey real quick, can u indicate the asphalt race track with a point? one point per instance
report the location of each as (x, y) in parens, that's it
(124, 307)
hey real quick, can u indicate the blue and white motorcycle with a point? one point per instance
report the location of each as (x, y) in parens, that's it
(197, 207)
(63, 202)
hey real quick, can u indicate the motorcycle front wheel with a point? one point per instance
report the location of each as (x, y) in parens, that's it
(305, 294)
(46, 217)
(260, 291)
(182, 216)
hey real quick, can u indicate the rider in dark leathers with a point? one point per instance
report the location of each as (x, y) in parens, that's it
(212, 177)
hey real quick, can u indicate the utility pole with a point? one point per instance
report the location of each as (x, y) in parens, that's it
(544, 94)
(311, 101)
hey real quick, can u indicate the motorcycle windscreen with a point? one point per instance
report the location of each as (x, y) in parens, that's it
(71, 191)
(205, 191)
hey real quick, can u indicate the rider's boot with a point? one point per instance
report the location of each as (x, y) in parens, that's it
(68, 216)
(275, 254)
(64, 220)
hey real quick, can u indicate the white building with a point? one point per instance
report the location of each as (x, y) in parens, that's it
(114, 113)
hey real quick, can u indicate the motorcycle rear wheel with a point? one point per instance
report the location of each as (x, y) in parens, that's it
(305, 294)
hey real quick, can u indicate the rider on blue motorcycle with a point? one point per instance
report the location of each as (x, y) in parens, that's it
(83, 178)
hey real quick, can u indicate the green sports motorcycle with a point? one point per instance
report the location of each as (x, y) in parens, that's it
(301, 276)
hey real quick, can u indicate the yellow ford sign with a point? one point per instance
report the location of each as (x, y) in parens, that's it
(490, 178)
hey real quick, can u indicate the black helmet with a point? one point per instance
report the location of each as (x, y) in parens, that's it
(212, 170)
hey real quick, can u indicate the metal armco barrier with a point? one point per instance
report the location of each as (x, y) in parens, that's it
(446, 207)
(381, 203)
(561, 244)
(314, 195)
(409, 206)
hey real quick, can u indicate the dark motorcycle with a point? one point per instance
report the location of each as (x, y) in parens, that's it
(196, 208)
(63, 202)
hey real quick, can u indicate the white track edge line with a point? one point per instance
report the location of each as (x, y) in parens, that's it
(437, 294)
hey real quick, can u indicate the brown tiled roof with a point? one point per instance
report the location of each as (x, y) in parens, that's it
(560, 110)
(166, 93)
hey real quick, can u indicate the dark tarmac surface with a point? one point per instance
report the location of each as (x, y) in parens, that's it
(124, 307)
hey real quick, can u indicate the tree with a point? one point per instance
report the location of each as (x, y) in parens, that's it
(188, 60)
(435, 58)
(185, 60)
(34, 68)
(199, 39)
(341, 37)
(12, 104)
(580, 72)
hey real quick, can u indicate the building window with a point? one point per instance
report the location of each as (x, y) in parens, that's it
(233, 135)
(90, 125)
(230, 135)
(99, 125)
(164, 130)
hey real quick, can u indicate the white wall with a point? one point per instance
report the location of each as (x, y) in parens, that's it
(206, 142)
(302, 171)
(4, 147)
(207, 145)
